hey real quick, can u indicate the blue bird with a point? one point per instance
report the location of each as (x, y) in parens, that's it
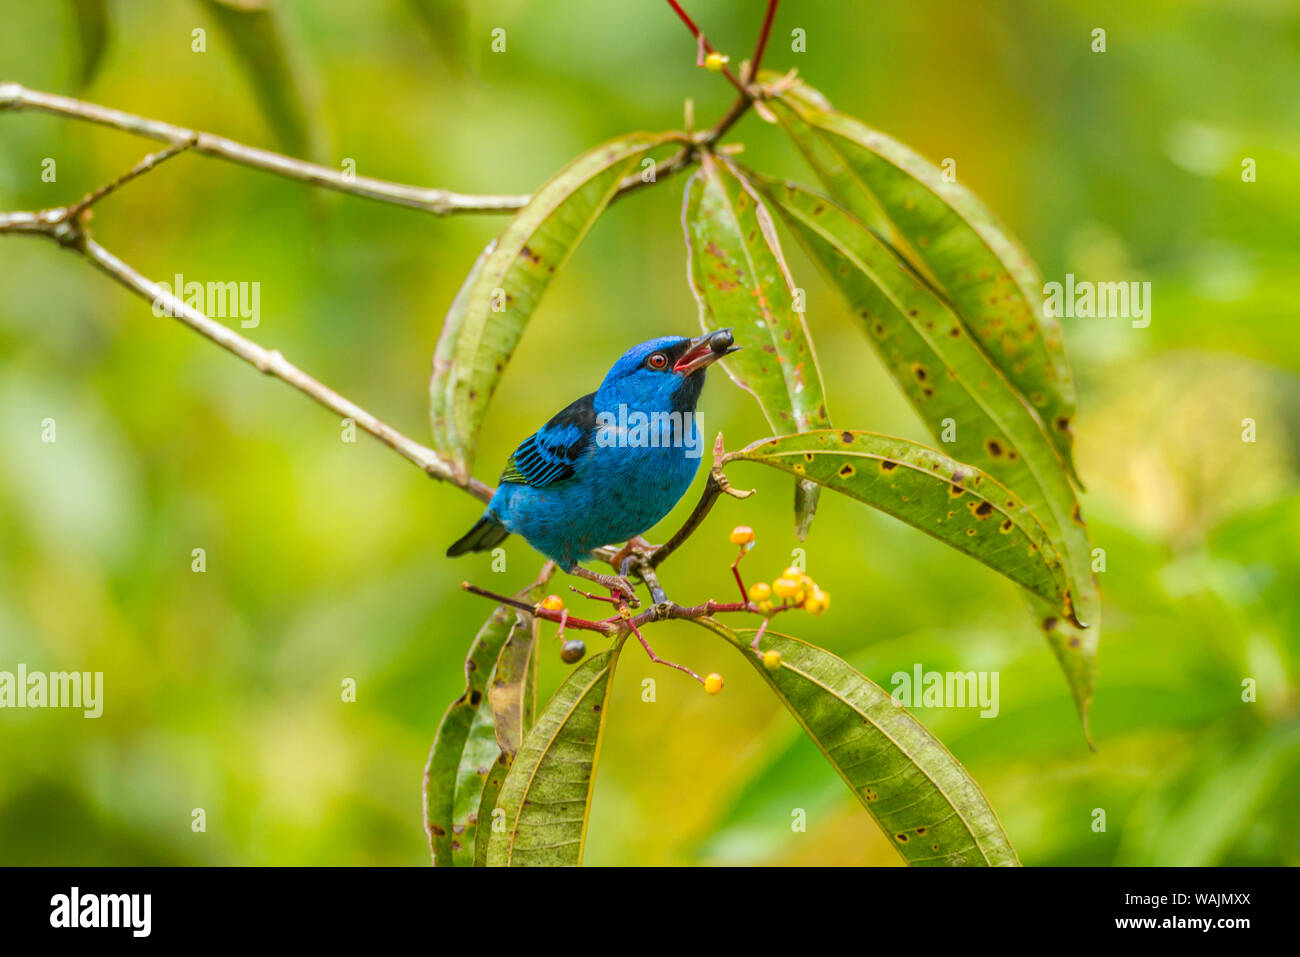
(611, 464)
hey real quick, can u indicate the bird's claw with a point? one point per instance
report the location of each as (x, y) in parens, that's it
(616, 583)
(636, 545)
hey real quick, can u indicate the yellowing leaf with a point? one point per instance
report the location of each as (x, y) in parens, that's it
(489, 314)
(547, 793)
(740, 279)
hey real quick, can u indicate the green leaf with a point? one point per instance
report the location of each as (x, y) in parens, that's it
(257, 35)
(442, 384)
(92, 36)
(465, 750)
(506, 691)
(957, 504)
(442, 773)
(963, 398)
(489, 314)
(486, 817)
(952, 238)
(476, 763)
(919, 794)
(547, 793)
(740, 279)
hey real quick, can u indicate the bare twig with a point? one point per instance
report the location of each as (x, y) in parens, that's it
(620, 624)
(739, 107)
(764, 32)
(704, 42)
(67, 226)
(439, 202)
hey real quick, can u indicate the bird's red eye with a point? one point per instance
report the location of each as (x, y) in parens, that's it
(657, 361)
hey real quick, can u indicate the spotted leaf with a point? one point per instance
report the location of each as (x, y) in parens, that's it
(947, 233)
(957, 504)
(489, 314)
(465, 749)
(546, 795)
(929, 807)
(963, 397)
(740, 279)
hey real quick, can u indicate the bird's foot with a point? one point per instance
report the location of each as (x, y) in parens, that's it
(635, 545)
(617, 583)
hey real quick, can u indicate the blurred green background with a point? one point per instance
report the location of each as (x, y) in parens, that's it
(324, 559)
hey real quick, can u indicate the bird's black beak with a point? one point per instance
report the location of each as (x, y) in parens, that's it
(705, 350)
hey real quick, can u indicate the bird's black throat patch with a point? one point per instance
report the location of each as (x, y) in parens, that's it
(688, 393)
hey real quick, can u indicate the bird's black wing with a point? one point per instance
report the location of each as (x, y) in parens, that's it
(551, 453)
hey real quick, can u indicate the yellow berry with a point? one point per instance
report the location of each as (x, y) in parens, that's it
(713, 683)
(741, 535)
(552, 603)
(817, 602)
(760, 591)
(715, 61)
(786, 587)
(795, 572)
(766, 607)
(772, 660)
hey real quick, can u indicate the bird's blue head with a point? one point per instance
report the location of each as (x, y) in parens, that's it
(664, 374)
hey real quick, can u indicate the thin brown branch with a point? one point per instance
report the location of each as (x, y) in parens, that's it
(765, 31)
(740, 106)
(66, 225)
(716, 486)
(708, 47)
(439, 202)
(139, 169)
(620, 624)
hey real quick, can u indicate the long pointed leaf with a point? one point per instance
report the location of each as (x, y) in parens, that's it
(465, 749)
(476, 763)
(489, 316)
(957, 504)
(442, 774)
(487, 818)
(506, 690)
(962, 397)
(919, 794)
(547, 793)
(740, 279)
(951, 236)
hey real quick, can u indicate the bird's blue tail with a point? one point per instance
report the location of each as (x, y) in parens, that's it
(486, 533)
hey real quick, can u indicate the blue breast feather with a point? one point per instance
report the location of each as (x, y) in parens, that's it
(568, 492)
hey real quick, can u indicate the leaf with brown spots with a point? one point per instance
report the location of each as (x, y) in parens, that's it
(490, 312)
(547, 792)
(948, 236)
(465, 747)
(929, 806)
(911, 327)
(957, 504)
(740, 279)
